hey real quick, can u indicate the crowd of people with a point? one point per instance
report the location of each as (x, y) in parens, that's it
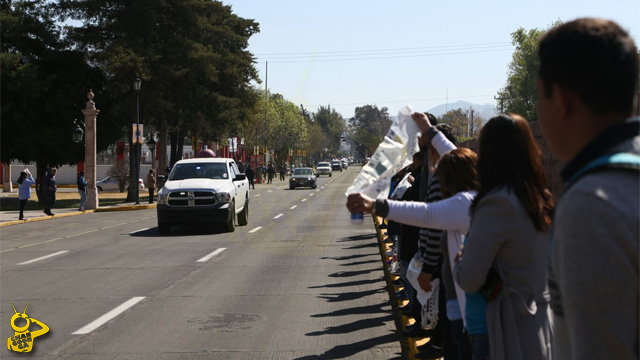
(519, 275)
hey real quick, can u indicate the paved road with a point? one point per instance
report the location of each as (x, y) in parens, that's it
(298, 282)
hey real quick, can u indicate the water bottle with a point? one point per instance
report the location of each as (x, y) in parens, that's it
(357, 218)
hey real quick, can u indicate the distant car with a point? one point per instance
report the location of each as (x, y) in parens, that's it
(303, 177)
(111, 184)
(336, 165)
(323, 168)
(345, 164)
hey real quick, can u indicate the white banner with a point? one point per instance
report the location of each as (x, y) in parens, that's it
(394, 152)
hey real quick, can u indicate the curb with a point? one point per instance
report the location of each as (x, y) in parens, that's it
(75, 213)
(410, 343)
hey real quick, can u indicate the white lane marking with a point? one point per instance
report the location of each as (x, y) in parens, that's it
(218, 251)
(44, 257)
(255, 229)
(311, 194)
(257, 195)
(137, 231)
(270, 191)
(317, 190)
(303, 200)
(107, 227)
(108, 316)
(277, 216)
(293, 207)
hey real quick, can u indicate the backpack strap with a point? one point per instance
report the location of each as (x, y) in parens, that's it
(624, 161)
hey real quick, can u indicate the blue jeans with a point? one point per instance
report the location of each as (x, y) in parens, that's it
(411, 292)
(83, 199)
(479, 346)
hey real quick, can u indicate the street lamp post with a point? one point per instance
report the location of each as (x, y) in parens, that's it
(90, 114)
(151, 144)
(137, 141)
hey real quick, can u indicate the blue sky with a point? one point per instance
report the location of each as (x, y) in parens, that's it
(329, 52)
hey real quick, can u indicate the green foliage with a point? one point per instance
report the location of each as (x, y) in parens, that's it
(466, 124)
(191, 56)
(44, 86)
(368, 127)
(519, 93)
(332, 125)
(275, 122)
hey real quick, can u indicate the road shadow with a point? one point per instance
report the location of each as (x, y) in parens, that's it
(350, 257)
(356, 263)
(345, 351)
(357, 238)
(191, 230)
(341, 274)
(360, 309)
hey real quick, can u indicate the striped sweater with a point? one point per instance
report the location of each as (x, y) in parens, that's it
(429, 243)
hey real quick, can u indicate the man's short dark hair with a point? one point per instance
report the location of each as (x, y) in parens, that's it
(447, 131)
(596, 59)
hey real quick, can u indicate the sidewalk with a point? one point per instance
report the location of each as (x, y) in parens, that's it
(11, 217)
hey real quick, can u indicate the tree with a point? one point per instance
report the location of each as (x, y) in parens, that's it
(191, 56)
(519, 93)
(466, 124)
(121, 172)
(44, 87)
(274, 122)
(332, 125)
(368, 127)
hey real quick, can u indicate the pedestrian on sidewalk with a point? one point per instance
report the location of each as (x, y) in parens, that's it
(587, 82)
(249, 173)
(24, 190)
(50, 189)
(82, 190)
(151, 184)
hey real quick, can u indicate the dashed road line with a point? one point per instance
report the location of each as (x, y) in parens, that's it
(311, 194)
(206, 258)
(277, 216)
(137, 231)
(293, 207)
(269, 191)
(44, 257)
(303, 200)
(108, 316)
(255, 229)
(257, 195)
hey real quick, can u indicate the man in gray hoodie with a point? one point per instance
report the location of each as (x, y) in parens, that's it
(587, 82)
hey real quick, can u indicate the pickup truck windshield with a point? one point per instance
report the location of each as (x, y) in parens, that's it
(199, 171)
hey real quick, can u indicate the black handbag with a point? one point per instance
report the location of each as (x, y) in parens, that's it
(493, 285)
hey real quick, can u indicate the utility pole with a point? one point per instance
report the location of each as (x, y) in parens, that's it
(501, 99)
(471, 124)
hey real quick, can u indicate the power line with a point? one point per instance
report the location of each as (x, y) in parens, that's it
(396, 49)
(404, 101)
(313, 55)
(387, 57)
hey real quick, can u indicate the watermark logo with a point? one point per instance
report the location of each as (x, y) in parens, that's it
(22, 339)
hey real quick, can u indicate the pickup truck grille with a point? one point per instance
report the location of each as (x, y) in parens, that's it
(191, 198)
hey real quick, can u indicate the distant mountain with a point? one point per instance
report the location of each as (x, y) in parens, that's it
(487, 111)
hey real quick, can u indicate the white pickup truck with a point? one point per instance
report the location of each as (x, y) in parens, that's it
(206, 190)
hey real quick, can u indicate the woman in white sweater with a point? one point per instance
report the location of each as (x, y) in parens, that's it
(458, 181)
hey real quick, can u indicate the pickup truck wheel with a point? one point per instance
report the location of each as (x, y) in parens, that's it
(329, 175)
(231, 223)
(164, 228)
(243, 217)
(291, 187)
